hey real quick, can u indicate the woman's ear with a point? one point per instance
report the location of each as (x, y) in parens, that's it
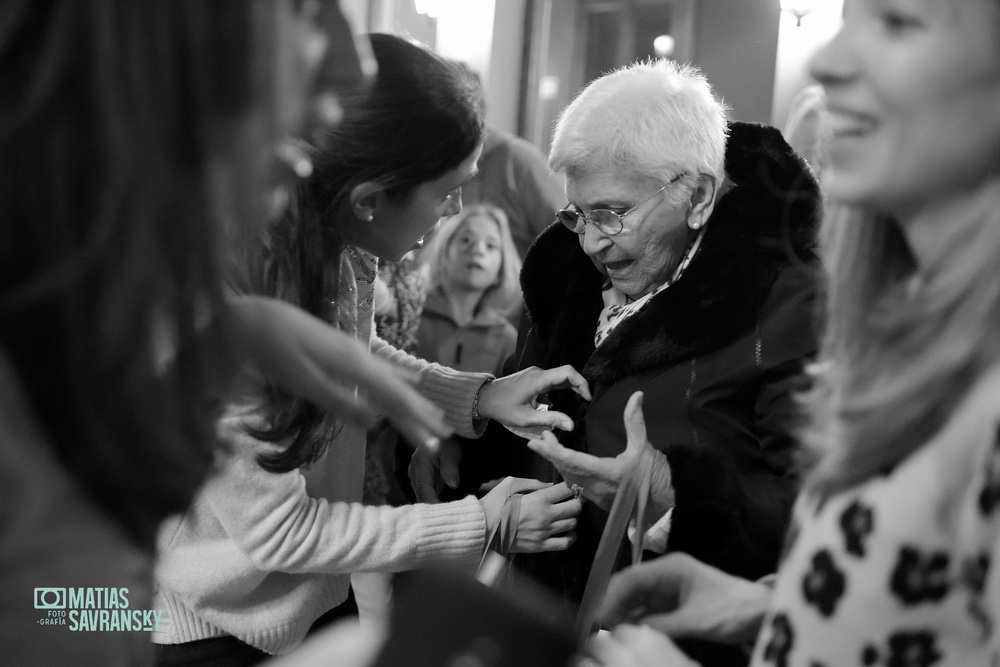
(702, 201)
(365, 198)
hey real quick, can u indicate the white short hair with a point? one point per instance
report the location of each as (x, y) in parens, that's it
(659, 118)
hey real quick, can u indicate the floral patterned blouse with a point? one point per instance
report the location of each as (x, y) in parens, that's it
(898, 572)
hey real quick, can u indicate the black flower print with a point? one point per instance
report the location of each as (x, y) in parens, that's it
(913, 649)
(974, 572)
(781, 642)
(989, 496)
(975, 569)
(920, 577)
(823, 585)
(904, 649)
(857, 522)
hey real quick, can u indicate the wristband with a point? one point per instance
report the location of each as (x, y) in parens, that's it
(475, 400)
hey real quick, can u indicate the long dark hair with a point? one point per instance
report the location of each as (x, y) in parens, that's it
(422, 117)
(108, 252)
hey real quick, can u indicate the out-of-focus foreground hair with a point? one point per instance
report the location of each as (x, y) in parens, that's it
(658, 118)
(109, 116)
(505, 294)
(893, 368)
(421, 117)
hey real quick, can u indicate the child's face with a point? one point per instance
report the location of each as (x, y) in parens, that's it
(475, 254)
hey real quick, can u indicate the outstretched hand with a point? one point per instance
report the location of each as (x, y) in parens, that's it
(601, 476)
(512, 400)
(684, 598)
(315, 361)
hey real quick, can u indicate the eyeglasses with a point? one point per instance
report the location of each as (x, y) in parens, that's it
(606, 220)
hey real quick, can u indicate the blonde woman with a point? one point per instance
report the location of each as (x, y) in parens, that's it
(891, 556)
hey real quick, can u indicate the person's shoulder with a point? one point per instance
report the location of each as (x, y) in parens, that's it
(516, 146)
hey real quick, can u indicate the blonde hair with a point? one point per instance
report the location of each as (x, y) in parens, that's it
(505, 295)
(658, 118)
(902, 347)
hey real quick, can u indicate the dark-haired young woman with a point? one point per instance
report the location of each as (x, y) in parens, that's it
(270, 541)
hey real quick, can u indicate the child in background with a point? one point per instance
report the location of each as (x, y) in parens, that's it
(472, 267)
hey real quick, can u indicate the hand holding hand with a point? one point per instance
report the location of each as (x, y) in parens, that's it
(684, 598)
(511, 400)
(601, 476)
(546, 511)
(431, 471)
(547, 519)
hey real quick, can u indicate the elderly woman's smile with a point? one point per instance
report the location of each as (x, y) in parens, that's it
(654, 233)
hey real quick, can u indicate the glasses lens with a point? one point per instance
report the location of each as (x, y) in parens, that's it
(569, 219)
(607, 221)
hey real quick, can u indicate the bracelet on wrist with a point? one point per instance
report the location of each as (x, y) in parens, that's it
(475, 400)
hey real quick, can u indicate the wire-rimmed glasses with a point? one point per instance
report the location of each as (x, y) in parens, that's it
(607, 221)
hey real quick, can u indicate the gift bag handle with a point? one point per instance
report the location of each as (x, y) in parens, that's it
(633, 493)
(495, 564)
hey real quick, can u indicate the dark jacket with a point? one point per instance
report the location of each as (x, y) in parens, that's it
(718, 355)
(481, 345)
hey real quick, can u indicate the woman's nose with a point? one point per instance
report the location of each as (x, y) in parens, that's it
(593, 240)
(834, 63)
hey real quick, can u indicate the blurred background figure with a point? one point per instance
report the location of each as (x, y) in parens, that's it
(515, 176)
(472, 272)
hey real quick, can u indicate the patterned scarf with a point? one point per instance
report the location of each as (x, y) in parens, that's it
(618, 307)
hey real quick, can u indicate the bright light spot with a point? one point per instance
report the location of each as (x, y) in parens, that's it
(663, 46)
(548, 87)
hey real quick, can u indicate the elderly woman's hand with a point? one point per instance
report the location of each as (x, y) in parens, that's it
(684, 598)
(512, 400)
(600, 476)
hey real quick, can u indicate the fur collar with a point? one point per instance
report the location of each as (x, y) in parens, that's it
(765, 223)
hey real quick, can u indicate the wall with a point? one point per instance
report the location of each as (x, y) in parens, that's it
(796, 46)
(735, 45)
(504, 74)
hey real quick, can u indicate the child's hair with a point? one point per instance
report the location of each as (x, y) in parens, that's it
(109, 114)
(503, 296)
(901, 348)
(421, 118)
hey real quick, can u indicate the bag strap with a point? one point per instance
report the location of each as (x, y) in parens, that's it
(633, 493)
(497, 556)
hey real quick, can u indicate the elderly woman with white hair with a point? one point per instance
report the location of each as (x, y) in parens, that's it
(683, 267)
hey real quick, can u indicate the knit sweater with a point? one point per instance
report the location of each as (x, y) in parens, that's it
(261, 555)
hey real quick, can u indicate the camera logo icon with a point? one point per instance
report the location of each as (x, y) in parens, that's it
(50, 598)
